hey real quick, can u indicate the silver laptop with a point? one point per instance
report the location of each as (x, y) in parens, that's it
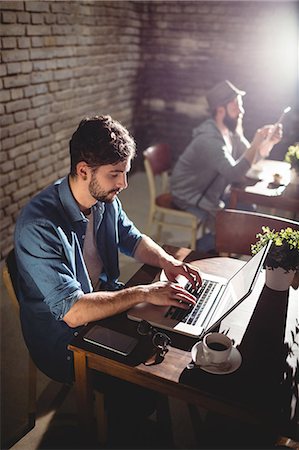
(216, 298)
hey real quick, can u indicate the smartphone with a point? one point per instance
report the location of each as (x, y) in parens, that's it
(111, 340)
(284, 112)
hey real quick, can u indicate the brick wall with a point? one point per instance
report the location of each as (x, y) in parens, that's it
(147, 63)
(188, 46)
(61, 61)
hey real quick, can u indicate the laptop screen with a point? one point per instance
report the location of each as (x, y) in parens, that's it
(242, 281)
(239, 287)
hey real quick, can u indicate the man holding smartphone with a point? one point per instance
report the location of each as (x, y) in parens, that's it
(218, 155)
(67, 240)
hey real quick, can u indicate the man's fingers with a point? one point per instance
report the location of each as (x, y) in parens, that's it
(180, 294)
(181, 304)
(195, 274)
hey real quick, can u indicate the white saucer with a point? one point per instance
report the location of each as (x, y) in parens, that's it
(234, 360)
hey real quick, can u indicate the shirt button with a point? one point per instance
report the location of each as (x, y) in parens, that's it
(68, 358)
(83, 236)
(76, 333)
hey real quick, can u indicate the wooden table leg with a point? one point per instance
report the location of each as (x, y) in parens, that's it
(84, 393)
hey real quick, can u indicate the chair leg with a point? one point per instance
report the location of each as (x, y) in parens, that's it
(101, 417)
(159, 227)
(193, 238)
(150, 221)
(158, 234)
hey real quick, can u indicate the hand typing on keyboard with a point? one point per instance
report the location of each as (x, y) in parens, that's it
(168, 293)
(202, 293)
(176, 270)
(171, 291)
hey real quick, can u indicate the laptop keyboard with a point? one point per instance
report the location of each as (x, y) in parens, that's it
(202, 292)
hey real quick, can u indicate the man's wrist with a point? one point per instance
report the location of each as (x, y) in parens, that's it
(251, 152)
(167, 261)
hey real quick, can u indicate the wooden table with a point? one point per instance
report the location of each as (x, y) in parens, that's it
(262, 391)
(263, 193)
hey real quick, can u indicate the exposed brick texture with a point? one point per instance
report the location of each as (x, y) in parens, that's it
(147, 63)
(61, 61)
(188, 47)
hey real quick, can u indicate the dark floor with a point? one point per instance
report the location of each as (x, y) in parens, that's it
(216, 433)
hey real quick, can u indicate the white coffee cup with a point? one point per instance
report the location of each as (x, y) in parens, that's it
(216, 348)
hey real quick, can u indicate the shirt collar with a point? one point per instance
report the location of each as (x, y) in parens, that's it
(69, 203)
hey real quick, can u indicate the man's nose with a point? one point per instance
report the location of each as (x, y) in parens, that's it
(123, 181)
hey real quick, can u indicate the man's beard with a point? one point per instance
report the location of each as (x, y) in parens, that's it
(98, 194)
(230, 122)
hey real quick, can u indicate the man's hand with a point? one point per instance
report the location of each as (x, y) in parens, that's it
(173, 268)
(149, 252)
(266, 137)
(166, 293)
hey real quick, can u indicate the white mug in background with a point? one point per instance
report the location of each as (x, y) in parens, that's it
(216, 348)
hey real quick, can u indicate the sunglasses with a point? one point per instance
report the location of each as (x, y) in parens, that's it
(159, 340)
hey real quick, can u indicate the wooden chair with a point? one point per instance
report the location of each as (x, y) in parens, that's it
(9, 272)
(236, 230)
(157, 163)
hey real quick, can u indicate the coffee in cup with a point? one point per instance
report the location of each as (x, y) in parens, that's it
(216, 348)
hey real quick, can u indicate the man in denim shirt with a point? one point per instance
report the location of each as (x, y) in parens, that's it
(67, 240)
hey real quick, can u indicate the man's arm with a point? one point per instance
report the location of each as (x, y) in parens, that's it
(261, 145)
(264, 140)
(98, 305)
(101, 304)
(149, 252)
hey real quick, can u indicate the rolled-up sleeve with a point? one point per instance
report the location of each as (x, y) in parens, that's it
(46, 267)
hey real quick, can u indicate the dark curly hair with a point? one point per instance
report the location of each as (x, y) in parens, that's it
(100, 140)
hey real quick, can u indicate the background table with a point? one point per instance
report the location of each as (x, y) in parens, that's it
(284, 197)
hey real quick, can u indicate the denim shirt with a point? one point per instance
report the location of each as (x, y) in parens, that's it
(49, 239)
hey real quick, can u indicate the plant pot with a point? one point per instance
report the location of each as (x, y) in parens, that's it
(278, 279)
(294, 178)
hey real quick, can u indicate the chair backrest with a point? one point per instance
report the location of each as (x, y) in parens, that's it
(9, 272)
(159, 158)
(157, 162)
(236, 230)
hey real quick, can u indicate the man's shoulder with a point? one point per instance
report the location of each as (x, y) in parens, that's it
(207, 127)
(42, 204)
(207, 136)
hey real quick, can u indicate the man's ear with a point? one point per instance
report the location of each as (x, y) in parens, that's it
(82, 170)
(221, 111)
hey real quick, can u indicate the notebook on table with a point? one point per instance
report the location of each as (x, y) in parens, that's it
(216, 298)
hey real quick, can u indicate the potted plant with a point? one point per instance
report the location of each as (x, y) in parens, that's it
(283, 257)
(292, 157)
